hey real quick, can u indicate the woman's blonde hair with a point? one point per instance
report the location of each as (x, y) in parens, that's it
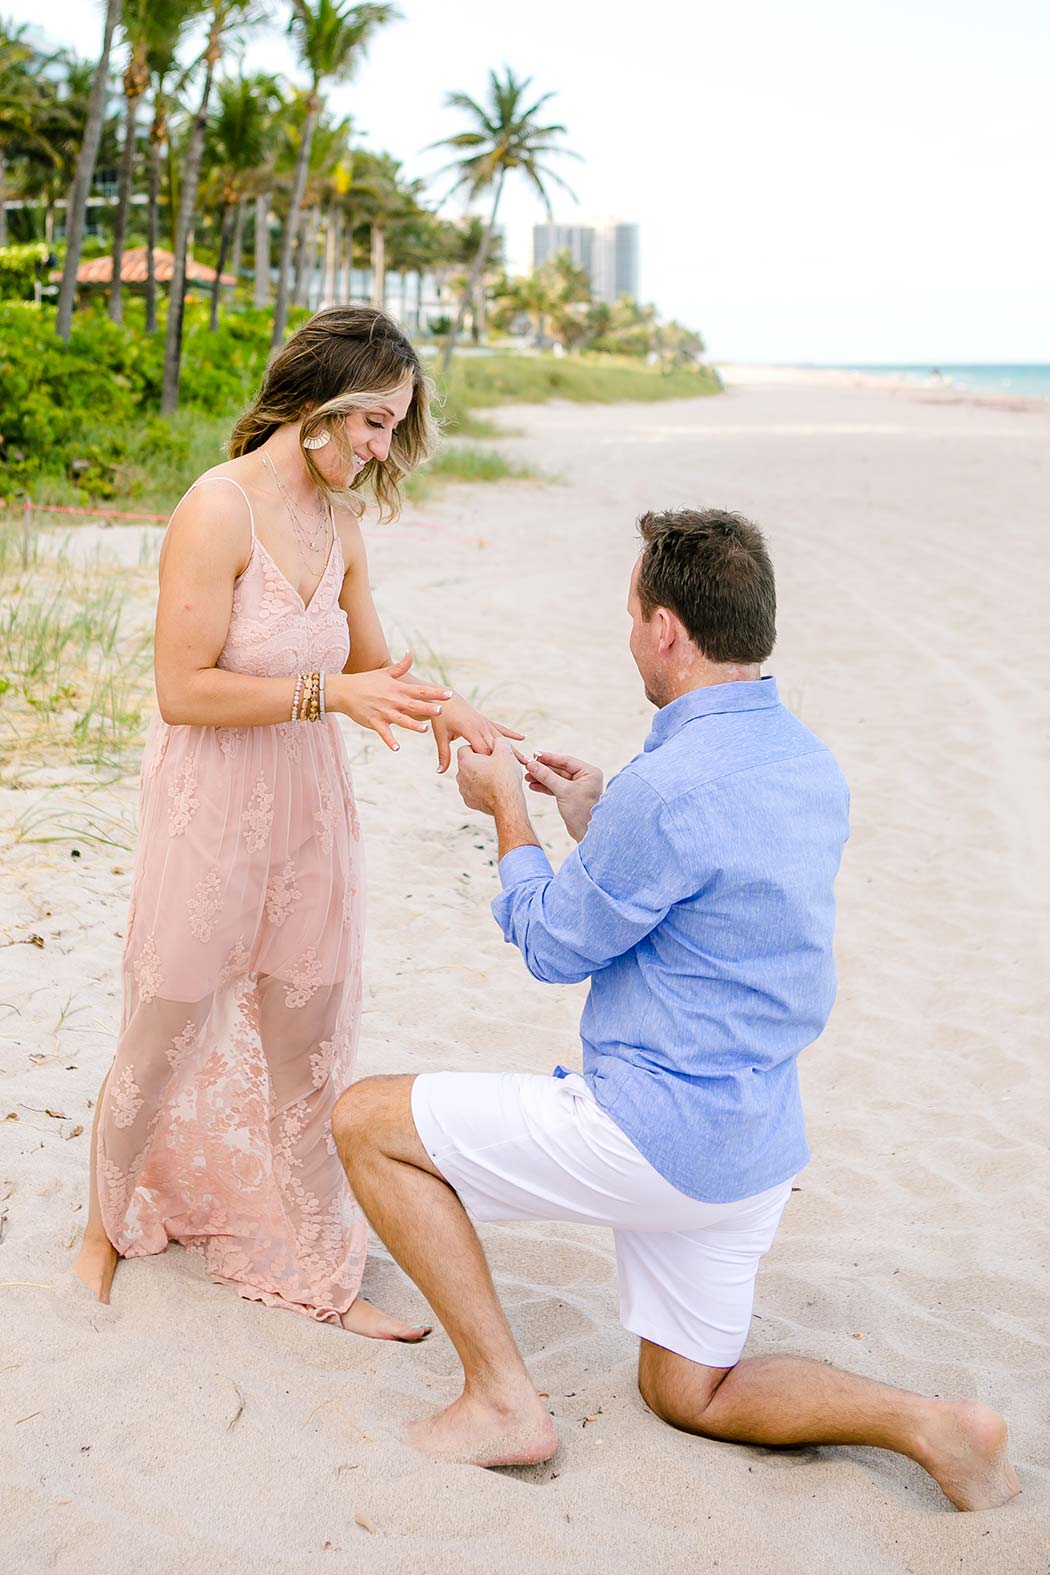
(345, 358)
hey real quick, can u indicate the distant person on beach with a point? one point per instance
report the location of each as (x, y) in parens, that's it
(242, 961)
(699, 902)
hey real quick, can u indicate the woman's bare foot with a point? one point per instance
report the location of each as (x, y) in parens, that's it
(487, 1432)
(96, 1264)
(363, 1318)
(964, 1450)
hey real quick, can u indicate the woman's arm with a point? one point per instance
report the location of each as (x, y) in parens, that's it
(200, 561)
(202, 556)
(368, 647)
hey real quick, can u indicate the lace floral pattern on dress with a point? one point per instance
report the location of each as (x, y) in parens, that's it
(306, 976)
(183, 802)
(291, 738)
(258, 817)
(321, 1063)
(182, 1044)
(230, 740)
(281, 895)
(146, 969)
(236, 963)
(324, 815)
(125, 1097)
(204, 903)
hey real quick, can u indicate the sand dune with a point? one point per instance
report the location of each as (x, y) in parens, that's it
(181, 1428)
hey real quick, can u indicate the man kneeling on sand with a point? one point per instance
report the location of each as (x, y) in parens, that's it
(699, 902)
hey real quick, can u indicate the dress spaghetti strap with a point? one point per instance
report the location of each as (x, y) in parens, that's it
(240, 489)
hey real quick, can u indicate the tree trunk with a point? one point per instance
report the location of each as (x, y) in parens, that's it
(261, 262)
(304, 258)
(378, 267)
(237, 250)
(152, 216)
(404, 298)
(331, 247)
(3, 200)
(291, 224)
(169, 399)
(76, 213)
(419, 300)
(225, 233)
(120, 218)
(476, 273)
(346, 258)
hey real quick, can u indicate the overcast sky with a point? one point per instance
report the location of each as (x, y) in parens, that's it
(823, 180)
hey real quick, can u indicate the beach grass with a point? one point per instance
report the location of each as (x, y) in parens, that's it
(75, 670)
(478, 382)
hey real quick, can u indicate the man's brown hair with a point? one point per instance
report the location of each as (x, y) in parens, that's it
(712, 570)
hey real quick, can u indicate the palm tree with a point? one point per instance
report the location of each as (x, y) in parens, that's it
(463, 245)
(225, 14)
(505, 136)
(167, 21)
(332, 36)
(42, 124)
(76, 212)
(381, 200)
(240, 131)
(20, 97)
(48, 157)
(136, 80)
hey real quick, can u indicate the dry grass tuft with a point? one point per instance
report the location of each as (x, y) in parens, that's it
(75, 662)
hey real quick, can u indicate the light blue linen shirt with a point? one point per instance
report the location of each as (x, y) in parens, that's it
(701, 906)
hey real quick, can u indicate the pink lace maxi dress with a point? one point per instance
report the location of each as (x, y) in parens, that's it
(242, 980)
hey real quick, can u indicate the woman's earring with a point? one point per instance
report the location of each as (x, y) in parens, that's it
(319, 440)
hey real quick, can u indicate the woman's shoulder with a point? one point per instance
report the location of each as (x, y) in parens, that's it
(214, 518)
(347, 526)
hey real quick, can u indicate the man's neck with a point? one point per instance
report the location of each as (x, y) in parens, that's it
(703, 675)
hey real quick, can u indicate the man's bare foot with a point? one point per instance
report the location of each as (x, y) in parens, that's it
(964, 1450)
(96, 1264)
(486, 1433)
(363, 1318)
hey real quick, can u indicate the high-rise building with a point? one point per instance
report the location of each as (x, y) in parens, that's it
(608, 252)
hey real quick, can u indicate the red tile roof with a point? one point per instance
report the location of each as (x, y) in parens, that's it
(99, 270)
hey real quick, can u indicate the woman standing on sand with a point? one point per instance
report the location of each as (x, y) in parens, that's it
(242, 962)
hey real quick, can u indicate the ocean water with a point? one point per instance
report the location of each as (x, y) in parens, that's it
(1025, 379)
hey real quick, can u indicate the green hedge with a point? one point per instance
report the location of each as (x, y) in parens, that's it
(80, 410)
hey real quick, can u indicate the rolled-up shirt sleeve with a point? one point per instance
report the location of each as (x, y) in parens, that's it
(611, 891)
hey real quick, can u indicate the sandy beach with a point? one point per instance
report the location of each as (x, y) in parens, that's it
(183, 1429)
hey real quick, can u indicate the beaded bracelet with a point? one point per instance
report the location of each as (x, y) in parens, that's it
(310, 710)
(297, 697)
(323, 677)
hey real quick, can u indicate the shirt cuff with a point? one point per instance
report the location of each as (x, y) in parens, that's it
(525, 863)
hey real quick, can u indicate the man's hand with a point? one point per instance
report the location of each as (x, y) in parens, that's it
(486, 781)
(574, 785)
(492, 784)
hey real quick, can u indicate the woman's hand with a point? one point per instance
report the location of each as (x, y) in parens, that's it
(459, 719)
(381, 700)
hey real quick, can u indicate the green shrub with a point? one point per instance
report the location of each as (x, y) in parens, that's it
(20, 268)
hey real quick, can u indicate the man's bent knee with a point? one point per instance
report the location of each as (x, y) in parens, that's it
(355, 1110)
(675, 1389)
(372, 1115)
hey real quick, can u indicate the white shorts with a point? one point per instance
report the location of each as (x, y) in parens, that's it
(522, 1147)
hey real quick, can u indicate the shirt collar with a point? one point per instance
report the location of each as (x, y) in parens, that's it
(750, 695)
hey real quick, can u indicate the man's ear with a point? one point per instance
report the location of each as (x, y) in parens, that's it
(667, 629)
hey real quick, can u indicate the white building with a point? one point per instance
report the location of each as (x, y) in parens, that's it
(608, 251)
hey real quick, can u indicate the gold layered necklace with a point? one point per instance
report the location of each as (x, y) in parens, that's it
(311, 539)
